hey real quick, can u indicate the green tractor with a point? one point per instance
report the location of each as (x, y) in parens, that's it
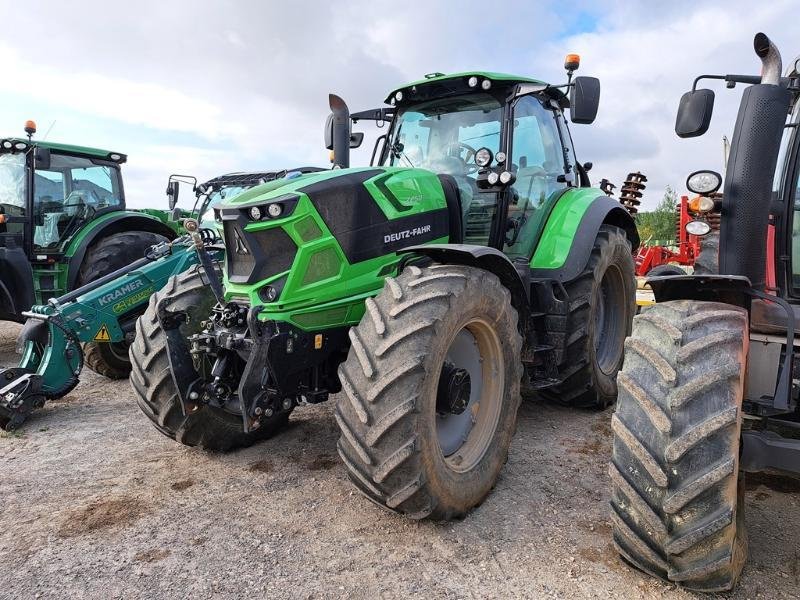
(471, 258)
(63, 224)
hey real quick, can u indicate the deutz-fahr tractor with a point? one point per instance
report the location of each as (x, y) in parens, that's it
(63, 223)
(472, 257)
(709, 386)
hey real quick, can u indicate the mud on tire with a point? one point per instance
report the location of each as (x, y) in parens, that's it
(677, 503)
(387, 413)
(209, 427)
(106, 256)
(593, 346)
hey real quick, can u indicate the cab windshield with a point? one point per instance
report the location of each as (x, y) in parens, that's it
(69, 193)
(442, 135)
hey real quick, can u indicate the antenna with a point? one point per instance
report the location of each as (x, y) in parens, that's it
(46, 133)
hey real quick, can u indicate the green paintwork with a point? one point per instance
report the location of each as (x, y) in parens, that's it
(322, 288)
(558, 233)
(72, 149)
(97, 309)
(504, 77)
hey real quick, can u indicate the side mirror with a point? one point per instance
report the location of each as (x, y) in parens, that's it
(173, 187)
(42, 158)
(356, 139)
(329, 132)
(694, 113)
(584, 99)
(587, 166)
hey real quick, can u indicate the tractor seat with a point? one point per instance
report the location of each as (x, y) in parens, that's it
(452, 197)
(769, 318)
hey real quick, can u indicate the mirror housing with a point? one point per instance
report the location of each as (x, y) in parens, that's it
(584, 99)
(42, 158)
(173, 187)
(356, 139)
(694, 113)
(329, 132)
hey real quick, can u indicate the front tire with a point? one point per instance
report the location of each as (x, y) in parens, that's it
(677, 502)
(602, 302)
(209, 427)
(106, 256)
(431, 391)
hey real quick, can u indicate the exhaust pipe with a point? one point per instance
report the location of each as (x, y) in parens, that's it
(771, 66)
(341, 132)
(751, 168)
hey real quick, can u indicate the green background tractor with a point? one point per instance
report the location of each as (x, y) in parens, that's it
(472, 258)
(63, 223)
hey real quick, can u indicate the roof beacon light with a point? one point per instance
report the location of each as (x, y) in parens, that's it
(30, 127)
(572, 62)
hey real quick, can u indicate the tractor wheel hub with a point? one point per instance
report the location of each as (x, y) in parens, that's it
(453, 393)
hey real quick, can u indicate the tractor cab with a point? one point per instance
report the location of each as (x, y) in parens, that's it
(49, 191)
(500, 144)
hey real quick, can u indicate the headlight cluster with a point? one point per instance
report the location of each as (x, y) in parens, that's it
(272, 211)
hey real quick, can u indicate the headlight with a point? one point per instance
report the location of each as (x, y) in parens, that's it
(697, 228)
(255, 213)
(492, 178)
(704, 182)
(274, 210)
(483, 157)
(472, 81)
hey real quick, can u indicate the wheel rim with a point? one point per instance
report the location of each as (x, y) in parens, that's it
(465, 433)
(609, 320)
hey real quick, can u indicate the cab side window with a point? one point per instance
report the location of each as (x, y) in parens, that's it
(538, 160)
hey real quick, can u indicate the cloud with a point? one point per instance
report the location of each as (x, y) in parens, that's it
(212, 86)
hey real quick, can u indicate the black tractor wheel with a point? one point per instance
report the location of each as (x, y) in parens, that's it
(677, 499)
(106, 256)
(707, 261)
(662, 270)
(209, 427)
(431, 391)
(602, 302)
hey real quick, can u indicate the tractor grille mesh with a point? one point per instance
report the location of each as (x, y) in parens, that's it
(255, 255)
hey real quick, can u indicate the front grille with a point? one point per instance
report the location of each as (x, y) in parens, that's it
(255, 255)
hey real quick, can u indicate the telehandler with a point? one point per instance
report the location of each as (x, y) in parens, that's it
(471, 257)
(709, 386)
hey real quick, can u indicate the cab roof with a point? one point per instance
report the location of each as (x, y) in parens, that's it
(72, 149)
(434, 78)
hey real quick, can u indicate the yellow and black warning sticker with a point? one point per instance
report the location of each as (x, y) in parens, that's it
(102, 335)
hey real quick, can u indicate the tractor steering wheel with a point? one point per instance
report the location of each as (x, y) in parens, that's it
(469, 166)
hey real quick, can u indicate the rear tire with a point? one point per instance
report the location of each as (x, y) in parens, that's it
(404, 447)
(662, 270)
(106, 256)
(209, 427)
(677, 502)
(602, 302)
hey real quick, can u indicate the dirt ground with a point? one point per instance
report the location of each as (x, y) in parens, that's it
(95, 503)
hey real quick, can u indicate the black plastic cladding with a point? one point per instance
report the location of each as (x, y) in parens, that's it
(360, 226)
(253, 256)
(748, 184)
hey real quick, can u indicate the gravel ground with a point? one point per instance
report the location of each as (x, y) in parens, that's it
(95, 503)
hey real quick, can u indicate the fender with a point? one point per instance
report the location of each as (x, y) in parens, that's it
(486, 258)
(570, 231)
(115, 223)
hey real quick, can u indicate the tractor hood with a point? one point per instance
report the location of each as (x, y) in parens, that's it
(346, 216)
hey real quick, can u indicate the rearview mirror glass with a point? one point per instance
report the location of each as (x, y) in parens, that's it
(584, 99)
(694, 113)
(172, 193)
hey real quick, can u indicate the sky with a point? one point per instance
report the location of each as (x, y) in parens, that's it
(204, 88)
